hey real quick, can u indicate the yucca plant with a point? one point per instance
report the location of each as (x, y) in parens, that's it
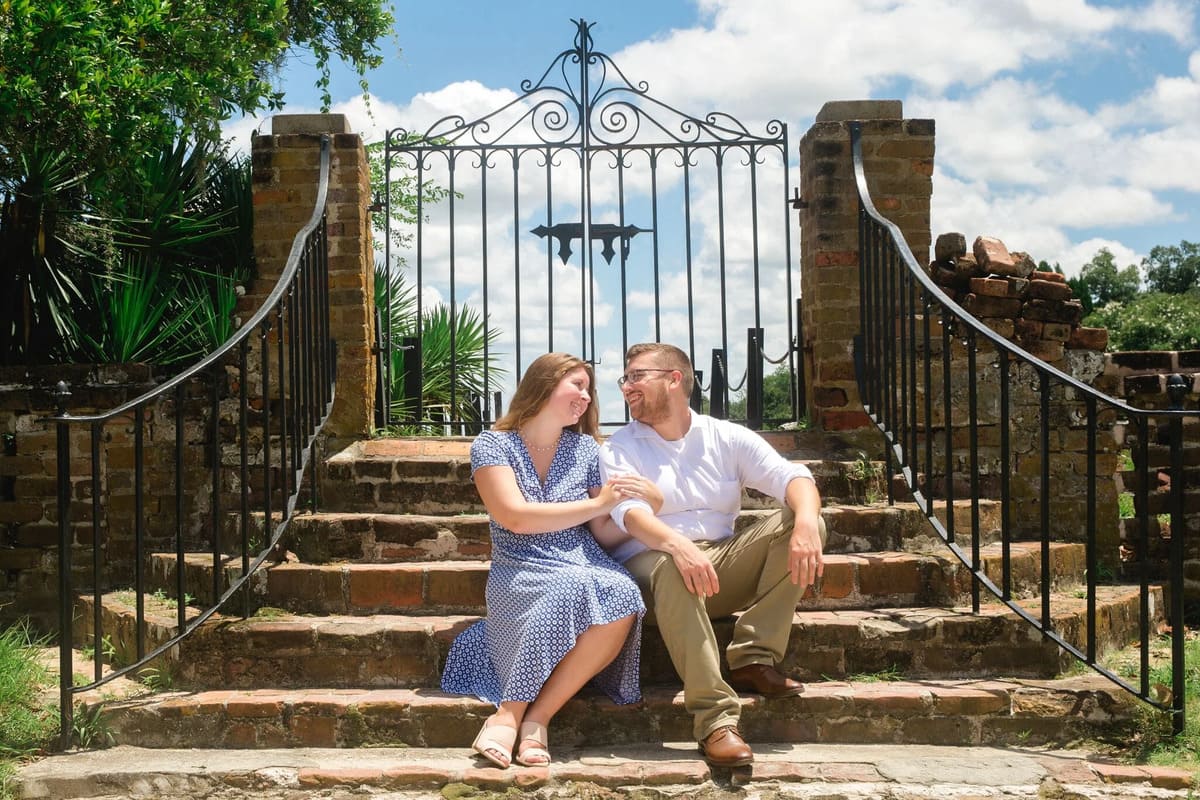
(143, 315)
(452, 366)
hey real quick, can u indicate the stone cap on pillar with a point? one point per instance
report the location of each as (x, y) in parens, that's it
(850, 110)
(309, 123)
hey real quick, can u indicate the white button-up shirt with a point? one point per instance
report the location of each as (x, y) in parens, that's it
(701, 475)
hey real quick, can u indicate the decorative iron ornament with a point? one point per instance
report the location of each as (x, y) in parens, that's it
(595, 105)
(607, 233)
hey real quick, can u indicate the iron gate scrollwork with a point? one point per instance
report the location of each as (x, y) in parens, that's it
(691, 218)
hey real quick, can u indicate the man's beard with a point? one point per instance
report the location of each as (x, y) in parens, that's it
(651, 412)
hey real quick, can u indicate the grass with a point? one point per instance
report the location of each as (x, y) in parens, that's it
(889, 675)
(1154, 743)
(27, 727)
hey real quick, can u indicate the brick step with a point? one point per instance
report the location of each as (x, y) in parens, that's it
(995, 712)
(403, 476)
(869, 580)
(284, 650)
(390, 537)
(674, 769)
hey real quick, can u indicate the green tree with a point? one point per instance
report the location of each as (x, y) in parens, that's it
(777, 397)
(88, 88)
(1173, 269)
(1101, 282)
(1151, 321)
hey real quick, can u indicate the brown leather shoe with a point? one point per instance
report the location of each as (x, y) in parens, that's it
(725, 747)
(765, 680)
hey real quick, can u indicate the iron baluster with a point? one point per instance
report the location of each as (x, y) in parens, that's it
(973, 454)
(215, 434)
(97, 587)
(139, 527)
(244, 466)
(1044, 394)
(1142, 509)
(66, 657)
(1005, 481)
(1093, 564)
(180, 556)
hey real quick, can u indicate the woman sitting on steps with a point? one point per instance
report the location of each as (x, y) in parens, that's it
(561, 612)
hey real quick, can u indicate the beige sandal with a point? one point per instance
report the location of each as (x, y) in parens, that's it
(536, 754)
(495, 743)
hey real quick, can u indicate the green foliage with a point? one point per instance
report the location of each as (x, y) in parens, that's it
(89, 729)
(403, 197)
(26, 725)
(777, 397)
(1173, 269)
(103, 80)
(1151, 321)
(1154, 742)
(1100, 282)
(92, 92)
(452, 350)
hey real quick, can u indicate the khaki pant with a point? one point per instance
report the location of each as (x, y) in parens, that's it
(752, 568)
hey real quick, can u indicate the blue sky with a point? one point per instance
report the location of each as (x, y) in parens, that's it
(1043, 108)
(1063, 126)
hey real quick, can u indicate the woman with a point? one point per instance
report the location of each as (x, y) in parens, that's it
(560, 611)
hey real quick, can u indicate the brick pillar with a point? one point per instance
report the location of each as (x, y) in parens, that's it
(898, 157)
(286, 167)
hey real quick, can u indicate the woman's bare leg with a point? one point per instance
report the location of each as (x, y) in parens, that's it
(593, 651)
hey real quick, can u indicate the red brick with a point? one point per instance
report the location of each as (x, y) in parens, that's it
(1049, 290)
(844, 258)
(838, 580)
(890, 575)
(254, 708)
(1042, 275)
(382, 586)
(1088, 339)
(1120, 773)
(990, 287)
(461, 584)
(844, 420)
(993, 256)
(315, 731)
(1169, 777)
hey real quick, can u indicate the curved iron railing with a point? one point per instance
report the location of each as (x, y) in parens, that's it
(294, 365)
(901, 307)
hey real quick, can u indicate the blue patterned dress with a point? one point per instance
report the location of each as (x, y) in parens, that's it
(545, 589)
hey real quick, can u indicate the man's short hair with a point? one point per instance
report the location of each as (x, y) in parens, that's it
(667, 356)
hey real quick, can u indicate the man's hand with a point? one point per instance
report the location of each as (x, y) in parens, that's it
(805, 560)
(699, 575)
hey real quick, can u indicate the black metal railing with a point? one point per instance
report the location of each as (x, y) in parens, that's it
(1047, 446)
(252, 409)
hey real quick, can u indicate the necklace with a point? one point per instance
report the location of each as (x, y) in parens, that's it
(532, 446)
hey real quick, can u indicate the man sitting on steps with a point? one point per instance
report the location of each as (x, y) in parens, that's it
(688, 562)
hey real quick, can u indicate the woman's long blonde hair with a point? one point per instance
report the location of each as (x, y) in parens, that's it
(535, 389)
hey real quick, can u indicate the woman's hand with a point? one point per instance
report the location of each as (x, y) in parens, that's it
(635, 487)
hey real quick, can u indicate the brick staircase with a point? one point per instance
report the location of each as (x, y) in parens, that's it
(349, 636)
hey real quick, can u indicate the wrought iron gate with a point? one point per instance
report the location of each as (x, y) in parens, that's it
(690, 218)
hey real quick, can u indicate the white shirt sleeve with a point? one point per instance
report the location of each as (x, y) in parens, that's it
(615, 461)
(760, 466)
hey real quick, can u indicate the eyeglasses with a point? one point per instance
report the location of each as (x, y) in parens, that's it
(637, 376)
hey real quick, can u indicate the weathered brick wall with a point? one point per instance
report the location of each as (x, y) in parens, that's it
(898, 157)
(28, 481)
(285, 180)
(285, 166)
(1141, 378)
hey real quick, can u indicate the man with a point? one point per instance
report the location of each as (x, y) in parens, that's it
(690, 565)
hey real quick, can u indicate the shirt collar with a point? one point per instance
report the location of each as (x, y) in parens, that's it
(641, 430)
